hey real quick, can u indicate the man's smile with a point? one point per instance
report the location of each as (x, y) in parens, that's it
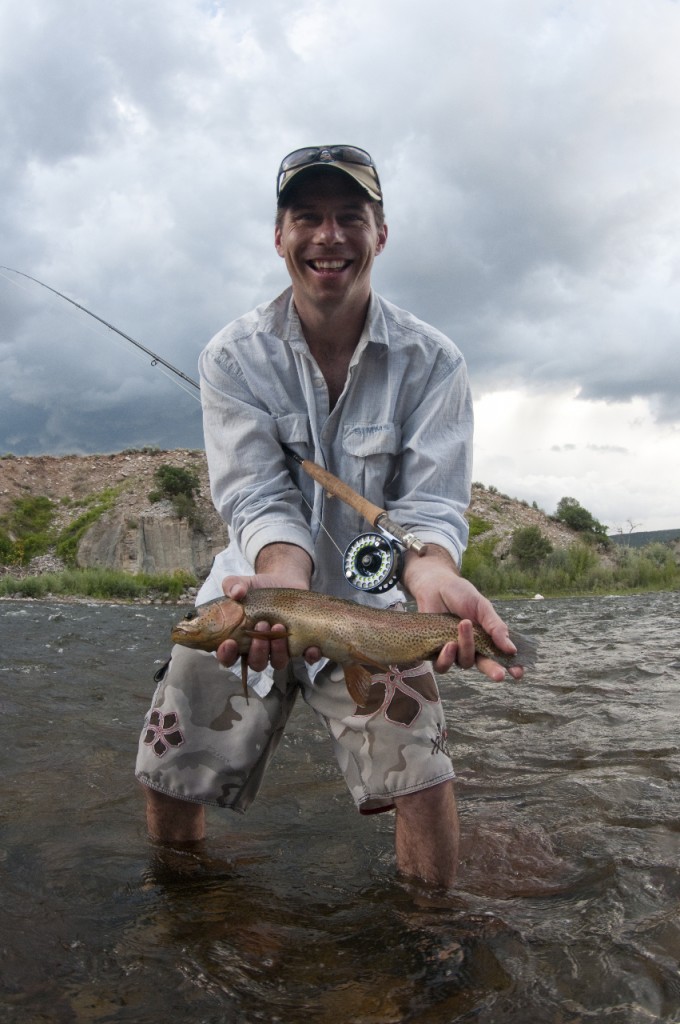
(328, 266)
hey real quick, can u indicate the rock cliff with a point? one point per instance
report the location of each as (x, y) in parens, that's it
(134, 534)
(138, 535)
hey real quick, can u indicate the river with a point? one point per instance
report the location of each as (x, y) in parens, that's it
(567, 909)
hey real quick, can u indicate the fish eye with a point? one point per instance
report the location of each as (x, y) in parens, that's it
(193, 614)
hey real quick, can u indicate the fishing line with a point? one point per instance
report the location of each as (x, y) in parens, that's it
(372, 562)
(315, 515)
(156, 360)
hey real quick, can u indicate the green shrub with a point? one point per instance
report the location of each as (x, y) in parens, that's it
(477, 525)
(572, 514)
(529, 546)
(7, 549)
(178, 486)
(67, 542)
(172, 481)
(29, 522)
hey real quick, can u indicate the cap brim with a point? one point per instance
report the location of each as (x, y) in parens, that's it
(363, 176)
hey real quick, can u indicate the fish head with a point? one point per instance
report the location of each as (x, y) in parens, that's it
(208, 625)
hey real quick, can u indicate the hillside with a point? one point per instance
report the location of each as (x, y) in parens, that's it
(138, 535)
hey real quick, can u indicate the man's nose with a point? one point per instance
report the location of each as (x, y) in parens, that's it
(329, 231)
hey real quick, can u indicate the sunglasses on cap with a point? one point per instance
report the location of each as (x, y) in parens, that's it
(366, 174)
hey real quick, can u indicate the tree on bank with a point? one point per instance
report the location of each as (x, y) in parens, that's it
(530, 547)
(573, 514)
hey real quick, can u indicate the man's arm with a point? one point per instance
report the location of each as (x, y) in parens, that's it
(435, 583)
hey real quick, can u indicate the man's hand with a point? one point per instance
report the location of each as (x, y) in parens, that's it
(434, 582)
(278, 565)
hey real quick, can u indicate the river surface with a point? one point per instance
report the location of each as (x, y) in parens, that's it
(568, 905)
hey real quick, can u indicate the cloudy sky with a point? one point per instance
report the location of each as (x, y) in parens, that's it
(530, 156)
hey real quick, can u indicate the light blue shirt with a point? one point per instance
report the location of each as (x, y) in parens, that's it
(400, 434)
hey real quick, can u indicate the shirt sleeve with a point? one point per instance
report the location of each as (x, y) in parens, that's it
(431, 490)
(250, 484)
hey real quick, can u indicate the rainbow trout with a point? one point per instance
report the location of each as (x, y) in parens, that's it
(352, 635)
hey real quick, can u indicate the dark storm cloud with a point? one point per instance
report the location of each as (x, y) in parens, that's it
(529, 168)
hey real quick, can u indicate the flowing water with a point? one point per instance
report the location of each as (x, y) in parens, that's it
(568, 905)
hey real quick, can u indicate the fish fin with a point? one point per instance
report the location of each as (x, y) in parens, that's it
(244, 678)
(262, 634)
(527, 650)
(358, 681)
(365, 659)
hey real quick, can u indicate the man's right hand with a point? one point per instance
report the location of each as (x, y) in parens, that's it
(277, 565)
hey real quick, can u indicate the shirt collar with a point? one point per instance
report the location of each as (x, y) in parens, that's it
(374, 332)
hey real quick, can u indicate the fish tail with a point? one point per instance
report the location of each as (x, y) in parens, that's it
(527, 650)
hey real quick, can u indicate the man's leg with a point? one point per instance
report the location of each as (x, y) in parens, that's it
(173, 821)
(426, 835)
(201, 744)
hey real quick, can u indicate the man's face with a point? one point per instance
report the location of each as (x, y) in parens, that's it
(329, 239)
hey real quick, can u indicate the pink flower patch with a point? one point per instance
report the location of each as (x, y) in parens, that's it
(400, 700)
(163, 732)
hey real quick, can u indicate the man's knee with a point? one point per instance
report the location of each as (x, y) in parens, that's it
(436, 802)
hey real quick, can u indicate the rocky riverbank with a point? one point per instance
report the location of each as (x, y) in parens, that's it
(137, 535)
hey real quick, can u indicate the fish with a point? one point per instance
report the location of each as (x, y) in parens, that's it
(355, 636)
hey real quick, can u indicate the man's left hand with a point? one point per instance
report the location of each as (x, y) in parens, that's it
(434, 582)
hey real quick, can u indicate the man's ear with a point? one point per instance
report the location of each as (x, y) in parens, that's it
(382, 240)
(277, 240)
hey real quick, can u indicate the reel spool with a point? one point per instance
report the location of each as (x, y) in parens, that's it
(372, 563)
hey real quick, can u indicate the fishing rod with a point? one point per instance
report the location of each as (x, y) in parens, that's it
(155, 358)
(372, 562)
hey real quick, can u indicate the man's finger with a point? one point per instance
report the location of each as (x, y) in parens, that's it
(258, 655)
(227, 653)
(466, 644)
(279, 656)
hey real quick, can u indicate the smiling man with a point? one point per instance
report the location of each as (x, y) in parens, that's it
(381, 399)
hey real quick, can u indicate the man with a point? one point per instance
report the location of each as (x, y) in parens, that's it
(381, 399)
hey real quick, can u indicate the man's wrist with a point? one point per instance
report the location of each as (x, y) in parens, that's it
(288, 561)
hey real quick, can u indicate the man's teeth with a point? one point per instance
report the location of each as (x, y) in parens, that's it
(328, 264)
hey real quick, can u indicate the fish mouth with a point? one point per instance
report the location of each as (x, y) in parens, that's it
(186, 637)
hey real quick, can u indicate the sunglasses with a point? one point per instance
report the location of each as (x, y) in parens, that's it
(311, 155)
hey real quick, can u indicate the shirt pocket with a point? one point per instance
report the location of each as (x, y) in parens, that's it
(370, 452)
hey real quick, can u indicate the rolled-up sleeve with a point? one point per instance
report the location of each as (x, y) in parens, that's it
(250, 484)
(431, 490)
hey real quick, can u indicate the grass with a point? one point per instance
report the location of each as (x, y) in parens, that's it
(28, 530)
(573, 572)
(99, 584)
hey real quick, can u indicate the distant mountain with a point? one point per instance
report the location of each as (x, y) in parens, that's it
(645, 537)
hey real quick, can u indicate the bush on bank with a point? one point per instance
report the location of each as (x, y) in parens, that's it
(573, 570)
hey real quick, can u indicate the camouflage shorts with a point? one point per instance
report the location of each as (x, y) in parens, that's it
(202, 742)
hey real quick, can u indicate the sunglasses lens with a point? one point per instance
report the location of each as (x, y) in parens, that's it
(351, 155)
(299, 158)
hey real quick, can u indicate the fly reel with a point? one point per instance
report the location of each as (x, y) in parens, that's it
(372, 563)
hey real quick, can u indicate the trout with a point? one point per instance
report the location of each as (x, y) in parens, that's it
(352, 635)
